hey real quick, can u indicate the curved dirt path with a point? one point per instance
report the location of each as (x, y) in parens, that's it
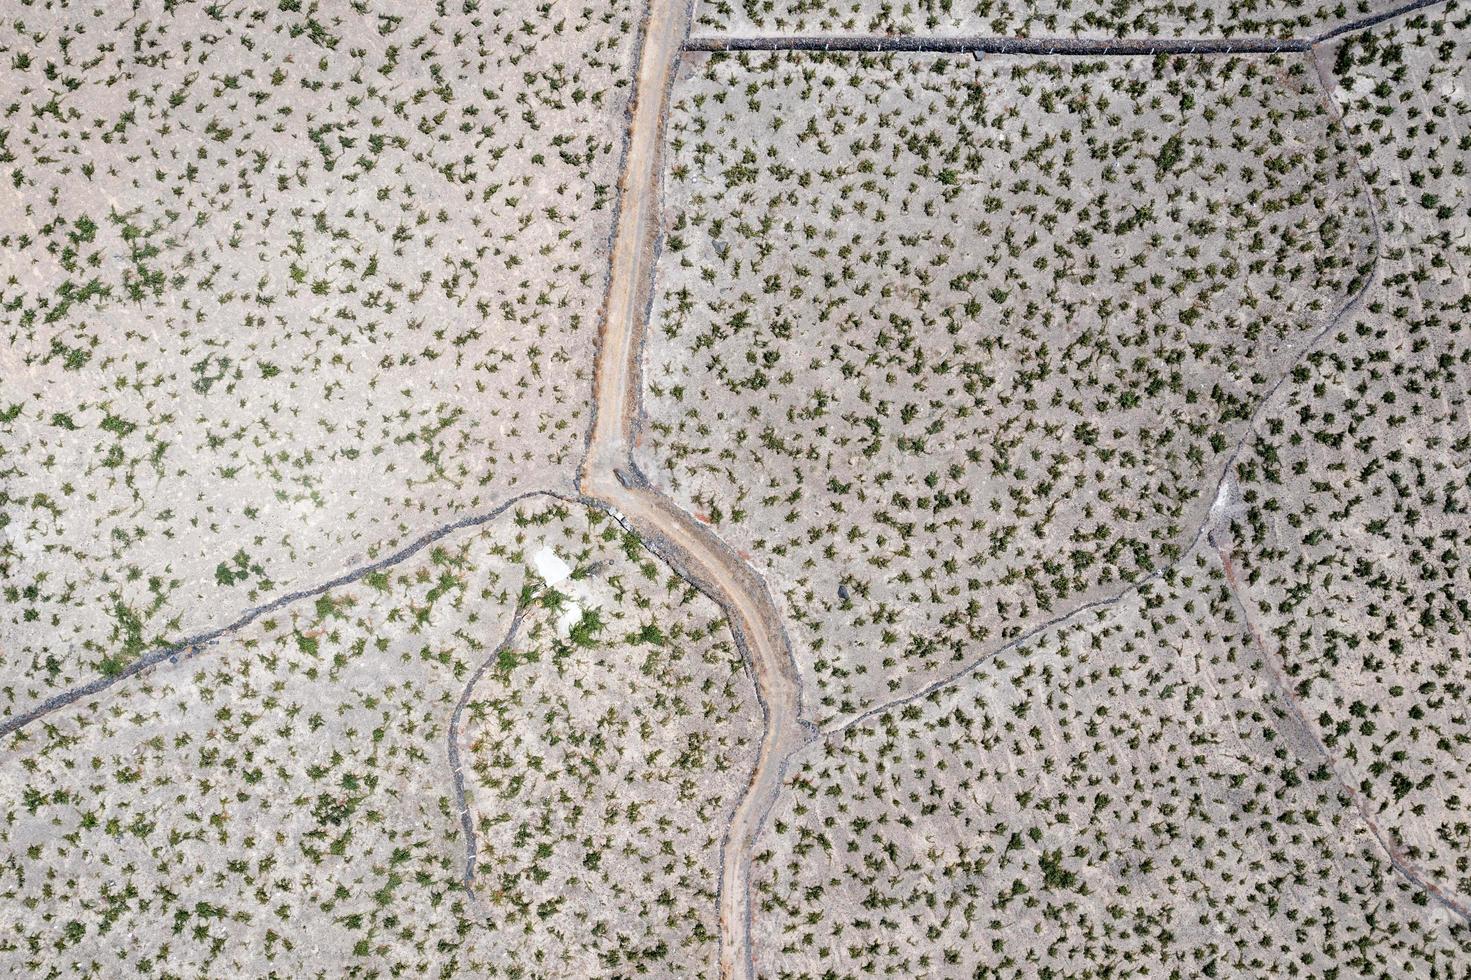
(456, 766)
(609, 477)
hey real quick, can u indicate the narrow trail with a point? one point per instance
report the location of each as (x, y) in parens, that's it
(1221, 541)
(609, 477)
(1398, 859)
(1217, 538)
(456, 768)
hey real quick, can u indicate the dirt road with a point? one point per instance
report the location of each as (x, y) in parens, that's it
(608, 476)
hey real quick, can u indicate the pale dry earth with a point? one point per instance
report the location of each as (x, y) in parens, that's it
(620, 777)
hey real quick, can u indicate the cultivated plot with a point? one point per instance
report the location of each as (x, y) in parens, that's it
(1352, 557)
(288, 800)
(1128, 793)
(953, 350)
(285, 289)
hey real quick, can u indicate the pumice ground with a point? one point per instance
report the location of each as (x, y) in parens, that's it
(735, 489)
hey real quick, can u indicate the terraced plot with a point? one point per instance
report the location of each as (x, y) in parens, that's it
(285, 290)
(500, 491)
(1124, 794)
(286, 802)
(951, 351)
(1050, 18)
(1352, 555)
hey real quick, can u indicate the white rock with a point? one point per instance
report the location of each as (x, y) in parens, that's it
(551, 567)
(570, 617)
